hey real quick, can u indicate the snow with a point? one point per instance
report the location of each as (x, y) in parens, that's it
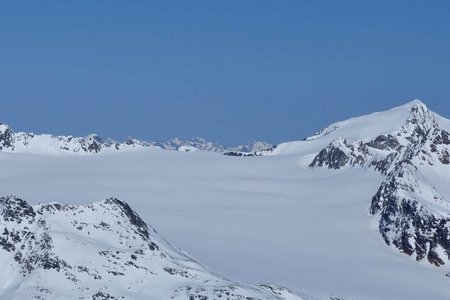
(47, 144)
(364, 128)
(253, 219)
(257, 220)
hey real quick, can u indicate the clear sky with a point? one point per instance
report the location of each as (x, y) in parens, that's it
(230, 71)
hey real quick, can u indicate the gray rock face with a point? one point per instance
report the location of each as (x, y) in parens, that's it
(6, 137)
(383, 152)
(406, 223)
(340, 153)
(409, 217)
(385, 142)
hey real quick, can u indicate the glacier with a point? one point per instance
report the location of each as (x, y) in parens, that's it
(275, 218)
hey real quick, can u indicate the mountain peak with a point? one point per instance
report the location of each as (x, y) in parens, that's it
(415, 102)
(3, 126)
(140, 226)
(6, 136)
(421, 119)
(418, 106)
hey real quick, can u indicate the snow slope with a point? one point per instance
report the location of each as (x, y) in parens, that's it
(363, 128)
(101, 251)
(267, 218)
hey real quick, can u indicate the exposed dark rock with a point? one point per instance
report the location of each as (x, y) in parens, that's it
(140, 226)
(332, 157)
(234, 153)
(103, 296)
(173, 271)
(6, 137)
(14, 209)
(408, 224)
(385, 142)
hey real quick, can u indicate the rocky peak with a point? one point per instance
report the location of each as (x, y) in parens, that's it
(406, 218)
(339, 153)
(419, 123)
(124, 210)
(133, 142)
(385, 150)
(6, 137)
(256, 148)
(16, 217)
(93, 143)
(14, 209)
(93, 138)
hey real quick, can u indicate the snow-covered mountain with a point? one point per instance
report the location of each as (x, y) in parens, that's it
(359, 210)
(195, 143)
(256, 148)
(23, 142)
(410, 146)
(101, 251)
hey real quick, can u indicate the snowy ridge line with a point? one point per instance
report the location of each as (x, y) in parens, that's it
(22, 142)
(122, 257)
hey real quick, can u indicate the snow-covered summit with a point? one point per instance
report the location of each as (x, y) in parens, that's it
(368, 126)
(195, 143)
(24, 142)
(382, 150)
(103, 250)
(364, 128)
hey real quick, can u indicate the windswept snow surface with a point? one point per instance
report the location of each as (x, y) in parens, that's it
(256, 220)
(253, 219)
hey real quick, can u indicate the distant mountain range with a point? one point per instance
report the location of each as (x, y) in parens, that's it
(23, 142)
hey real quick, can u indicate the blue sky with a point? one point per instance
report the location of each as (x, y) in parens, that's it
(230, 71)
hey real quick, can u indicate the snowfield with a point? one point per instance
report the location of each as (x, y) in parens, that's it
(263, 219)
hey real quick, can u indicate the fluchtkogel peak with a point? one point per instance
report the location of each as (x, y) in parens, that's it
(381, 151)
(413, 214)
